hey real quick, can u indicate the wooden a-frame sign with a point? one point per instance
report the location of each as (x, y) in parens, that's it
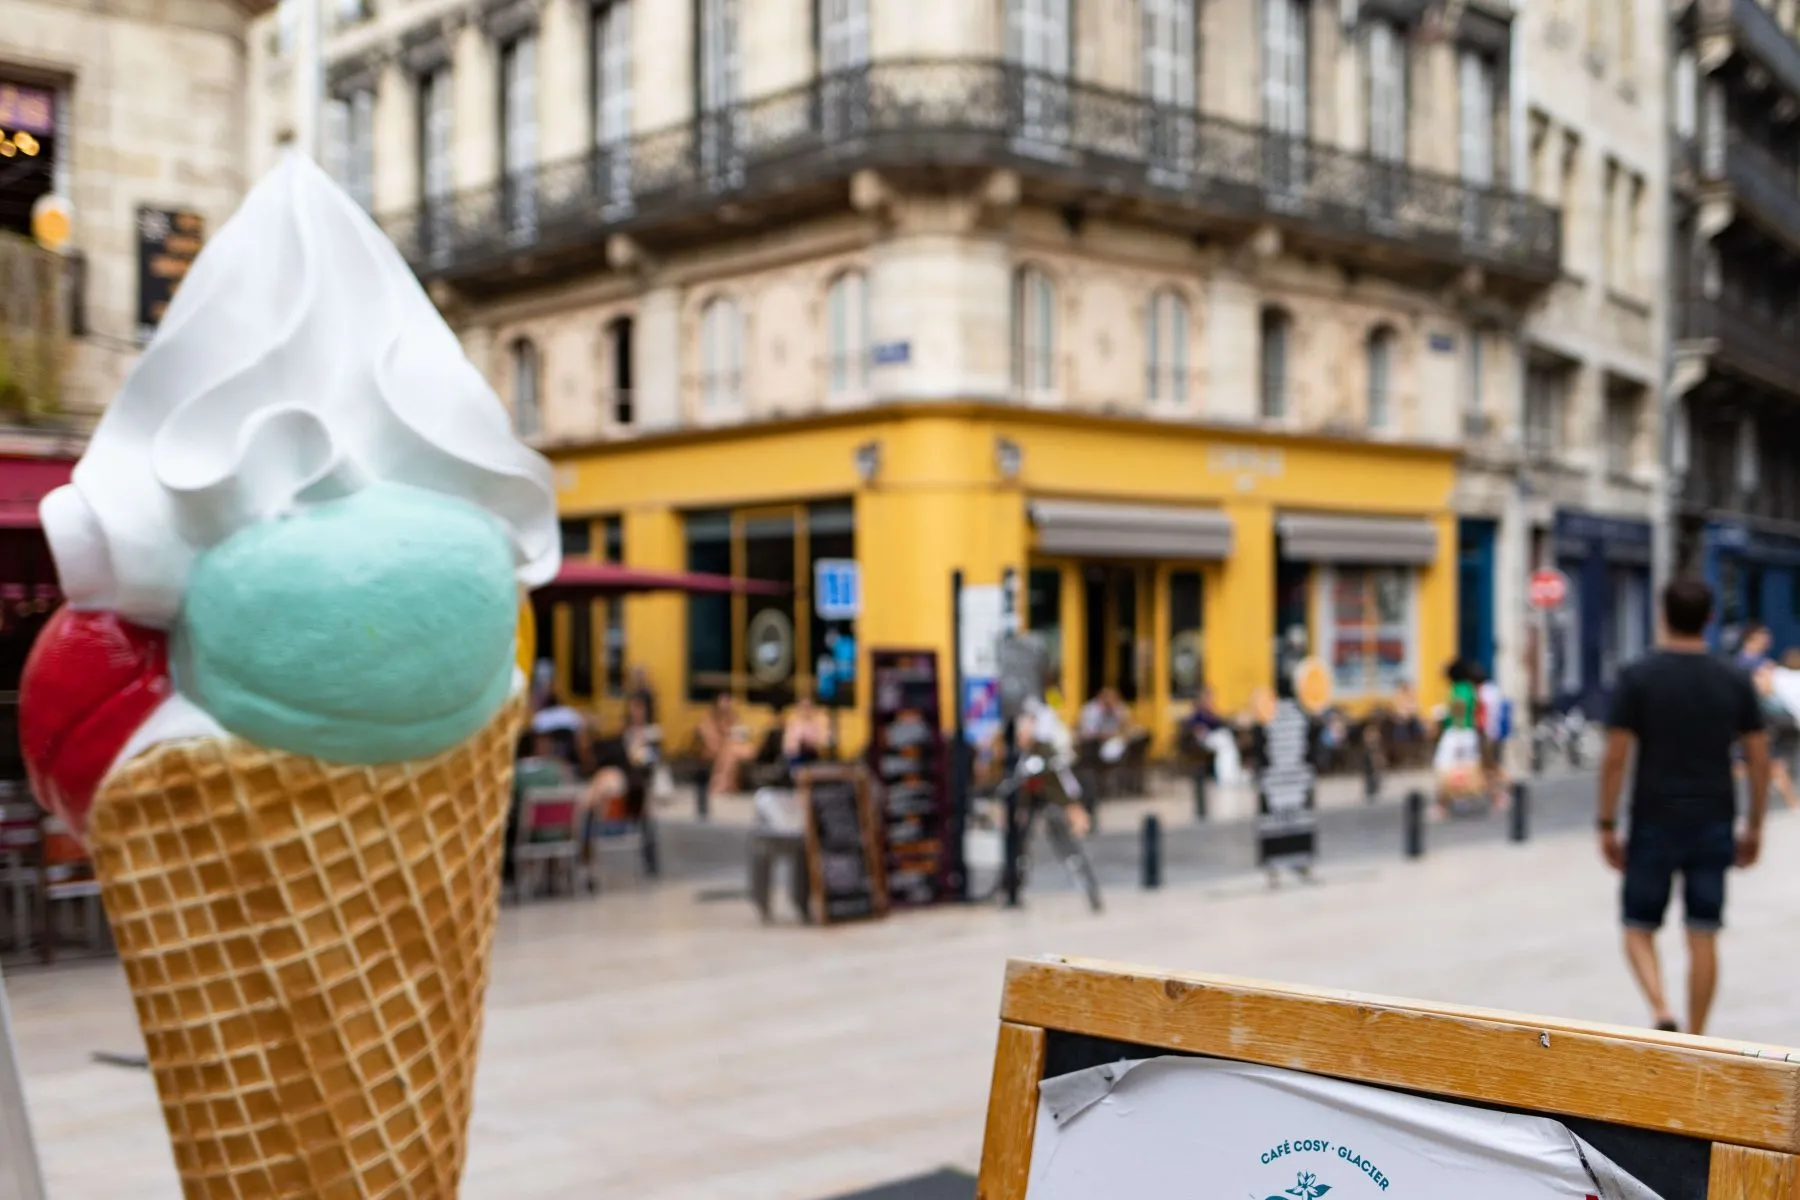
(1730, 1111)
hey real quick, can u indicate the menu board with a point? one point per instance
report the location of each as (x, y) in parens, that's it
(168, 242)
(1287, 822)
(907, 756)
(843, 859)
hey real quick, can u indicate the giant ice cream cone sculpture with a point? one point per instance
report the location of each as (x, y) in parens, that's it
(281, 705)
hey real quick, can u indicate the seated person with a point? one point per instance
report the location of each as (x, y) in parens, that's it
(806, 735)
(727, 744)
(1102, 717)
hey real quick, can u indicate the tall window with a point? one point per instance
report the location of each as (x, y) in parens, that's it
(612, 97)
(843, 35)
(1167, 348)
(1380, 352)
(1546, 389)
(1169, 48)
(1034, 332)
(1387, 93)
(519, 131)
(721, 356)
(1277, 334)
(435, 176)
(527, 370)
(1684, 98)
(1475, 103)
(578, 546)
(847, 336)
(718, 83)
(1169, 81)
(1187, 662)
(1369, 629)
(349, 148)
(1623, 403)
(1285, 92)
(618, 343)
(1037, 42)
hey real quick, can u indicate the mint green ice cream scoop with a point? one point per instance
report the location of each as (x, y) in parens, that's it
(373, 629)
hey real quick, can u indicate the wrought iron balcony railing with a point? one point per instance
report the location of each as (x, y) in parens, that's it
(957, 113)
(1768, 191)
(1746, 338)
(1755, 31)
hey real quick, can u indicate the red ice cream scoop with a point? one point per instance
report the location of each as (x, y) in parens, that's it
(91, 681)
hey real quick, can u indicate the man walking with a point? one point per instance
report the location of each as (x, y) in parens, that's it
(1682, 710)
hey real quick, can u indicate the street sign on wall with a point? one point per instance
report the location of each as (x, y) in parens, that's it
(837, 589)
(1548, 589)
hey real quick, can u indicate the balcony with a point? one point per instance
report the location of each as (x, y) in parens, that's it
(1753, 31)
(1069, 142)
(1755, 185)
(1743, 339)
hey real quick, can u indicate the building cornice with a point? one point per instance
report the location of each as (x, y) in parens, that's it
(1005, 415)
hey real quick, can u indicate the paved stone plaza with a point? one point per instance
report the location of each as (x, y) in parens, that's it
(657, 1044)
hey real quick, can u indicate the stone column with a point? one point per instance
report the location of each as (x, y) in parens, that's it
(476, 137)
(396, 139)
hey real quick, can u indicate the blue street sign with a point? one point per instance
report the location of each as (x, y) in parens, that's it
(891, 354)
(837, 589)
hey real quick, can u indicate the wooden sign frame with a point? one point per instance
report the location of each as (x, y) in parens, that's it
(1742, 1098)
(874, 855)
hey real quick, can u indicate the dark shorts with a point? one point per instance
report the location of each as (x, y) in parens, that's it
(1699, 852)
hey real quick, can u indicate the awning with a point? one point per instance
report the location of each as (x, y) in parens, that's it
(26, 481)
(1384, 540)
(598, 581)
(1130, 530)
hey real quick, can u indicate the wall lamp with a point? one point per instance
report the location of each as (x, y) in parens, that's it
(1008, 458)
(868, 461)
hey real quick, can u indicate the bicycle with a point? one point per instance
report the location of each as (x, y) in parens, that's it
(1028, 787)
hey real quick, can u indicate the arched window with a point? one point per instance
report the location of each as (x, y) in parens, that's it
(721, 355)
(1167, 348)
(847, 336)
(527, 371)
(1276, 349)
(1380, 351)
(1034, 332)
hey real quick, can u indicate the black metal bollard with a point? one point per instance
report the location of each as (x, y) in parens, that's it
(1201, 770)
(1152, 866)
(700, 798)
(1537, 753)
(1010, 847)
(1521, 812)
(1415, 824)
(1371, 776)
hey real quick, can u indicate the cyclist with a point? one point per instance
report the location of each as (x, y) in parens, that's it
(1040, 731)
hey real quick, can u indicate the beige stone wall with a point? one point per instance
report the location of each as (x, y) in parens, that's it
(156, 97)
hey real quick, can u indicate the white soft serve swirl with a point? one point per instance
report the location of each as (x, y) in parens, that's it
(299, 361)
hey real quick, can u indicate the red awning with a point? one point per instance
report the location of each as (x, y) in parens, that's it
(597, 581)
(23, 483)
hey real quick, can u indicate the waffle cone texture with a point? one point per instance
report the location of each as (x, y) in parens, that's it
(307, 945)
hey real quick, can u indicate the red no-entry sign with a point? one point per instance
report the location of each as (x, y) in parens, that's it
(1548, 590)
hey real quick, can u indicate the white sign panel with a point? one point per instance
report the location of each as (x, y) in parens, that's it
(837, 589)
(984, 623)
(1178, 1128)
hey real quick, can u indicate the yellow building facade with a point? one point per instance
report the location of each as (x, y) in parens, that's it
(1152, 558)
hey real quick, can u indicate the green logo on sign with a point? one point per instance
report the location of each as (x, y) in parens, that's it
(1307, 1187)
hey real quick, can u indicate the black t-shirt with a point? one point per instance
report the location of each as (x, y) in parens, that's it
(1686, 711)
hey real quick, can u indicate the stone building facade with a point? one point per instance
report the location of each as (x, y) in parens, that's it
(949, 267)
(147, 97)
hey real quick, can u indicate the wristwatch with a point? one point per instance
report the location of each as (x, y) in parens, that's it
(1606, 824)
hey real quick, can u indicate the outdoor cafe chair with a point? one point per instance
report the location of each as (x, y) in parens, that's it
(66, 876)
(549, 835)
(616, 831)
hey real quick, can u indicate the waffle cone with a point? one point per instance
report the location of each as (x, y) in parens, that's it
(307, 945)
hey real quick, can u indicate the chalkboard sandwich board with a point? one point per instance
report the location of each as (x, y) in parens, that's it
(1114, 1081)
(843, 848)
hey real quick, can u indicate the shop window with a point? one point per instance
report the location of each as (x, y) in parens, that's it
(612, 547)
(1367, 618)
(1187, 672)
(752, 645)
(1044, 619)
(577, 546)
(831, 533)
